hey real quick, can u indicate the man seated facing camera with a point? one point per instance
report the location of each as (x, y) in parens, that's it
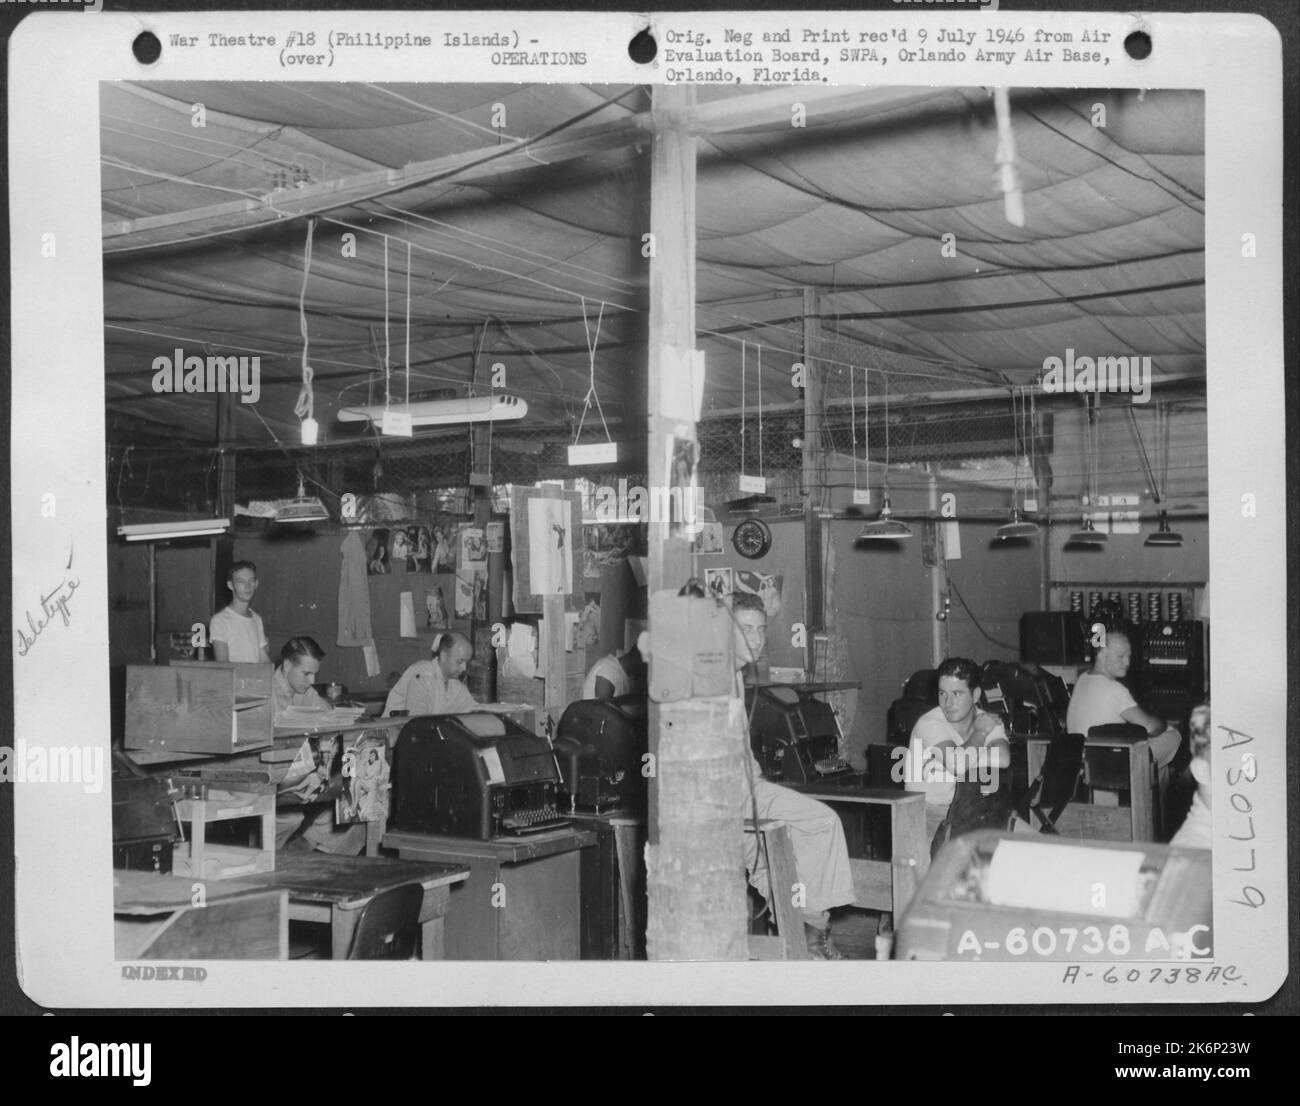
(821, 856)
(956, 741)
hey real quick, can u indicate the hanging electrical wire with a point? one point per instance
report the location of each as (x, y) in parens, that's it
(592, 395)
(305, 404)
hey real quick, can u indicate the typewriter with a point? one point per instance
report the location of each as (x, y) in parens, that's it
(600, 746)
(473, 775)
(795, 737)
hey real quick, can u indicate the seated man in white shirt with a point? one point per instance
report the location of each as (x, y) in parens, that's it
(821, 854)
(1099, 699)
(613, 675)
(955, 741)
(434, 686)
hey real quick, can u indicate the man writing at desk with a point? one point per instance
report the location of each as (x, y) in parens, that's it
(1100, 699)
(433, 686)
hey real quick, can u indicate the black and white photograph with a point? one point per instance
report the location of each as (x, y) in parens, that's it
(990, 712)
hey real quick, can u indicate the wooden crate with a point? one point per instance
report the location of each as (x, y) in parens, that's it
(195, 707)
(203, 859)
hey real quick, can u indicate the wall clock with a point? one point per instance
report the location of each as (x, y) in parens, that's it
(752, 538)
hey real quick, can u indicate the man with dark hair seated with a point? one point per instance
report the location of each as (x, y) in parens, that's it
(821, 855)
(955, 741)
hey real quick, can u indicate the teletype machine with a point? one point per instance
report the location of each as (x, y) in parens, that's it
(1001, 896)
(473, 775)
(600, 746)
(795, 737)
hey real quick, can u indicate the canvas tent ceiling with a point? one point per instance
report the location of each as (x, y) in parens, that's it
(523, 228)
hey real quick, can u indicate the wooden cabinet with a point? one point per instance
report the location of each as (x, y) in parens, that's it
(522, 900)
(191, 707)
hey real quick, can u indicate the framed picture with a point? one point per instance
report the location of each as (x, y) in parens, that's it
(718, 582)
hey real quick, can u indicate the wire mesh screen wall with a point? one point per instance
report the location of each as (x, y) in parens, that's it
(911, 430)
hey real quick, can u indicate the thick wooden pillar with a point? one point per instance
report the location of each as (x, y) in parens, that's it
(694, 860)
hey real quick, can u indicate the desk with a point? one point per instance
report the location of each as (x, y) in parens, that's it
(1135, 822)
(333, 889)
(884, 885)
(522, 900)
(156, 918)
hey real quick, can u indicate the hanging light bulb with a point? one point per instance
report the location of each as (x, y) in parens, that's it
(1087, 535)
(1016, 528)
(310, 430)
(886, 527)
(1164, 535)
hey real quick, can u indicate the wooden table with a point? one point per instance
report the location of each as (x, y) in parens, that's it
(1135, 822)
(884, 885)
(522, 900)
(333, 889)
(156, 917)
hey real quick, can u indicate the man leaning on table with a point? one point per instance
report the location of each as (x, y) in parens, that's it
(434, 686)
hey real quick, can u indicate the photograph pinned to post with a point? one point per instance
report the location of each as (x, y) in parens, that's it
(1093, 230)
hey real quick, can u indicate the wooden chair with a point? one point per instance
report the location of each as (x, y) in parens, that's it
(790, 942)
(1057, 782)
(389, 926)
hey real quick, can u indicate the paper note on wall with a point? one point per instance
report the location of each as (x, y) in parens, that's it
(1065, 878)
(407, 617)
(952, 540)
(372, 659)
(522, 650)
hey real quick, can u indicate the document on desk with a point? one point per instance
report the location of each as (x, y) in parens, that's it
(301, 718)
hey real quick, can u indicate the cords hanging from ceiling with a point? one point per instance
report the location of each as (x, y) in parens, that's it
(742, 406)
(388, 388)
(592, 395)
(408, 322)
(306, 399)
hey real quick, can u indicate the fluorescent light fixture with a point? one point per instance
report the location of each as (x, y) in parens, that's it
(162, 531)
(886, 527)
(443, 412)
(1164, 536)
(305, 508)
(1016, 528)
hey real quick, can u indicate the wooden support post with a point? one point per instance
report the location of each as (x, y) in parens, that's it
(554, 700)
(222, 548)
(694, 859)
(813, 492)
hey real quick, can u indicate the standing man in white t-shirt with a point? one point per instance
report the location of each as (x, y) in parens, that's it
(1099, 699)
(236, 631)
